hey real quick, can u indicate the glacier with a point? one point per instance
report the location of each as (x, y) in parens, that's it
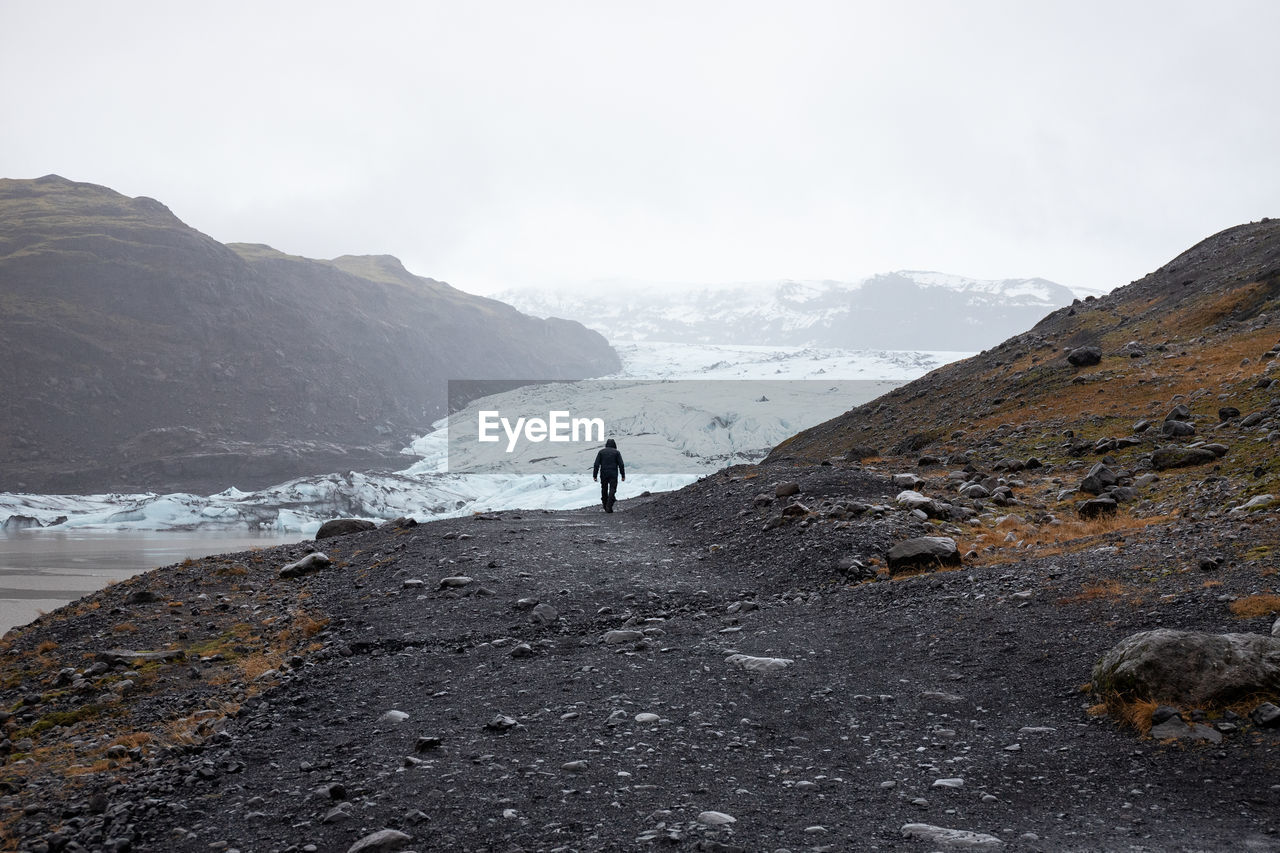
(428, 488)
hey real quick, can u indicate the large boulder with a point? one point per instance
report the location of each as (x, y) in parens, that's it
(923, 552)
(1181, 457)
(343, 527)
(1190, 668)
(1098, 478)
(1084, 356)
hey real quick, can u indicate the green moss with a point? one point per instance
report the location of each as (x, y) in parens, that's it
(58, 718)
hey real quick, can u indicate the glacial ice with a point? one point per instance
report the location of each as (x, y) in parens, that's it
(426, 489)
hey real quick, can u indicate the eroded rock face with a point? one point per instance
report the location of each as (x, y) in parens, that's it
(1190, 668)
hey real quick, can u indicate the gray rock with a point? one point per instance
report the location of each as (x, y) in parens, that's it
(1178, 413)
(308, 564)
(786, 490)
(755, 664)
(456, 581)
(713, 818)
(958, 839)
(1084, 356)
(1097, 507)
(1266, 716)
(1098, 478)
(544, 614)
(1226, 413)
(613, 638)
(343, 527)
(1177, 429)
(907, 481)
(1180, 457)
(923, 552)
(501, 723)
(382, 841)
(1190, 668)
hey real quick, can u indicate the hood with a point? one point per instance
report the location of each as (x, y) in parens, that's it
(611, 443)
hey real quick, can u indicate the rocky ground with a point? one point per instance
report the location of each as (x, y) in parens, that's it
(581, 691)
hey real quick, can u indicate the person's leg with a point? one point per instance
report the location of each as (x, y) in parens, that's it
(604, 493)
(611, 498)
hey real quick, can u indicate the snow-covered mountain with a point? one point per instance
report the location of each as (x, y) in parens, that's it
(897, 310)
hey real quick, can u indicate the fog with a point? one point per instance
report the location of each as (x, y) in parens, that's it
(509, 144)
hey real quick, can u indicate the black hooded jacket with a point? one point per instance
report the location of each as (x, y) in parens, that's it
(609, 462)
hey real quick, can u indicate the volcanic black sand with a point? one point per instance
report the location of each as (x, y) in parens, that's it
(955, 699)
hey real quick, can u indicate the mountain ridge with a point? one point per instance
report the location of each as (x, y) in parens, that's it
(907, 309)
(119, 320)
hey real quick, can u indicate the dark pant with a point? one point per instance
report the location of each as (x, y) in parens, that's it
(608, 488)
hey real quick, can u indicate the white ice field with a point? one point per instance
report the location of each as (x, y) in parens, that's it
(691, 433)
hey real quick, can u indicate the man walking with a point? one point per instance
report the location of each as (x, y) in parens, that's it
(608, 468)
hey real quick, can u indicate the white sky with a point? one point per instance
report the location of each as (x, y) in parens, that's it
(504, 144)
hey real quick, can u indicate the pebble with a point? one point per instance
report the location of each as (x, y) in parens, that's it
(949, 783)
(393, 717)
(382, 841)
(762, 665)
(613, 638)
(456, 581)
(647, 718)
(713, 818)
(942, 836)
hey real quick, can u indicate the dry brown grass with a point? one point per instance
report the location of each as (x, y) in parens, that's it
(125, 628)
(46, 647)
(1097, 590)
(132, 739)
(1133, 713)
(1052, 539)
(1255, 606)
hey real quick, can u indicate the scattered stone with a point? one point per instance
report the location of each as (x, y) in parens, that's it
(544, 614)
(647, 718)
(786, 490)
(393, 717)
(455, 582)
(1180, 457)
(755, 664)
(923, 552)
(1177, 429)
(613, 638)
(308, 564)
(382, 841)
(343, 527)
(1226, 413)
(1098, 479)
(713, 818)
(948, 783)
(1266, 716)
(501, 723)
(959, 839)
(1097, 507)
(1190, 668)
(1084, 356)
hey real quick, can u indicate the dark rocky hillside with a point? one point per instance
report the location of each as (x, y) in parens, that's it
(137, 353)
(1027, 603)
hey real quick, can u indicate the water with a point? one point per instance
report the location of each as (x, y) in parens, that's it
(41, 570)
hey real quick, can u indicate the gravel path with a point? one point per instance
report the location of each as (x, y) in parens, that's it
(502, 714)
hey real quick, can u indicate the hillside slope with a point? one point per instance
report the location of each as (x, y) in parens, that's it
(1199, 331)
(138, 353)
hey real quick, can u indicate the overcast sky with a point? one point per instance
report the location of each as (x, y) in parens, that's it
(505, 144)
